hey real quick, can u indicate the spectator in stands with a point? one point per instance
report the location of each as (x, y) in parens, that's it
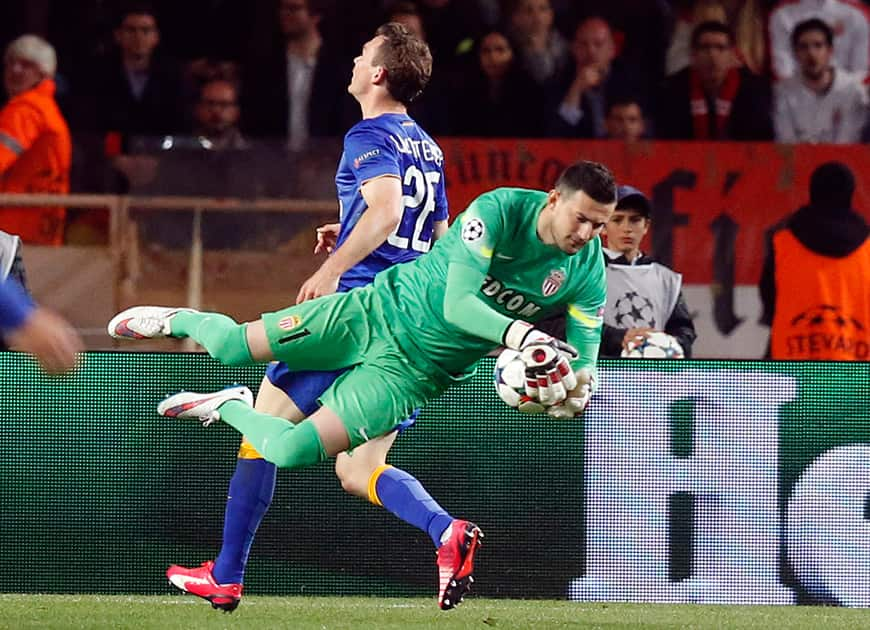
(216, 116)
(495, 99)
(542, 50)
(814, 279)
(641, 31)
(690, 13)
(203, 70)
(713, 99)
(35, 145)
(594, 77)
(847, 19)
(821, 102)
(748, 19)
(633, 278)
(135, 91)
(625, 120)
(296, 91)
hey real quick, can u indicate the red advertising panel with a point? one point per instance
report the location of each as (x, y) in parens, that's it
(712, 201)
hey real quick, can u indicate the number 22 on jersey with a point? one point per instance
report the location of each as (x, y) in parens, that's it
(418, 206)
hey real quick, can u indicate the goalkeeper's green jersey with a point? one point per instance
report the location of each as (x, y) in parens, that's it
(453, 305)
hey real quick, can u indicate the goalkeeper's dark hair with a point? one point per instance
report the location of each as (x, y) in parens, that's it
(593, 178)
(407, 60)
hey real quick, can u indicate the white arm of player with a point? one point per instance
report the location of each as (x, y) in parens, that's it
(383, 197)
(439, 229)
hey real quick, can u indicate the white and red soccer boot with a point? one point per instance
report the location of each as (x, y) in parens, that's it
(143, 322)
(203, 407)
(200, 582)
(456, 562)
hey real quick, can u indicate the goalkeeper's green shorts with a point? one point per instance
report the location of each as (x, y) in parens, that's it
(349, 330)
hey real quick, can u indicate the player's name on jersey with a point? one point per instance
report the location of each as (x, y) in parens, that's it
(511, 299)
(420, 149)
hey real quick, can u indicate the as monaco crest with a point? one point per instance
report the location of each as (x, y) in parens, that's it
(552, 282)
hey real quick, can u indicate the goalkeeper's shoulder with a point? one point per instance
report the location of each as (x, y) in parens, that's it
(506, 199)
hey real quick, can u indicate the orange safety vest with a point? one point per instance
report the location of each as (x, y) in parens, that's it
(822, 309)
(35, 157)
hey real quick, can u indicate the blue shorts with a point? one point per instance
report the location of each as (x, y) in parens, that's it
(305, 389)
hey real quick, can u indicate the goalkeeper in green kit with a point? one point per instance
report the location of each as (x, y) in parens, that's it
(514, 257)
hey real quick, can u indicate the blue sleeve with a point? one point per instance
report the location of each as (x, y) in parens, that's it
(15, 305)
(371, 153)
(441, 210)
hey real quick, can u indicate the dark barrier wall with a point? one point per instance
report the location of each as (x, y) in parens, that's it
(687, 481)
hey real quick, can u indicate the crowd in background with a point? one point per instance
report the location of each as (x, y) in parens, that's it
(162, 97)
(227, 70)
(134, 79)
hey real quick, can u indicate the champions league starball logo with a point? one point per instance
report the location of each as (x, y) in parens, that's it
(634, 310)
(826, 314)
(473, 230)
(824, 329)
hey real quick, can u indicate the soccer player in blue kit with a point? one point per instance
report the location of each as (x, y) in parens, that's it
(36, 330)
(391, 190)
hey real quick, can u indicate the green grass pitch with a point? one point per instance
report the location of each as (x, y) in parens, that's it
(264, 613)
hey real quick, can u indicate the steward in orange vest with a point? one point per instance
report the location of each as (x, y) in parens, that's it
(815, 283)
(35, 144)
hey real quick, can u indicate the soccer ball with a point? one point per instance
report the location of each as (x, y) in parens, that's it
(510, 382)
(657, 345)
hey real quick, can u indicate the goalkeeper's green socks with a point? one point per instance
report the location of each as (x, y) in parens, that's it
(222, 337)
(283, 443)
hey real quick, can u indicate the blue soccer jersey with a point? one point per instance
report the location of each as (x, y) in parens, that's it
(15, 305)
(391, 144)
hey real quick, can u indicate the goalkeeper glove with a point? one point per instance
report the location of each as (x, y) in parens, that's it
(549, 376)
(575, 404)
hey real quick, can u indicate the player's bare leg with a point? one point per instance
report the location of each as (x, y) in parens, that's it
(331, 430)
(355, 471)
(258, 344)
(365, 474)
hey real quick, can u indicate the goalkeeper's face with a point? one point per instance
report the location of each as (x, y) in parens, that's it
(576, 218)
